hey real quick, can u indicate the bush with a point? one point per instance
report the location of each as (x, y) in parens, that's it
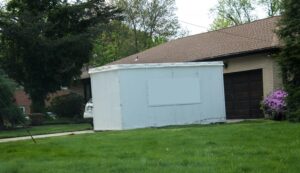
(10, 115)
(289, 60)
(274, 105)
(37, 119)
(293, 102)
(68, 106)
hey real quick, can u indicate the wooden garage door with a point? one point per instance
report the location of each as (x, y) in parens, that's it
(243, 93)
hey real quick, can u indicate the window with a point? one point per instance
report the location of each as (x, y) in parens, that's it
(23, 109)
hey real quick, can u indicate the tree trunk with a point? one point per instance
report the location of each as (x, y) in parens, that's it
(135, 39)
(38, 104)
(1, 123)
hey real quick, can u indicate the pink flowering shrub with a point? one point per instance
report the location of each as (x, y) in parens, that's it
(274, 105)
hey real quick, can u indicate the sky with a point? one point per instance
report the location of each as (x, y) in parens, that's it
(195, 12)
(195, 15)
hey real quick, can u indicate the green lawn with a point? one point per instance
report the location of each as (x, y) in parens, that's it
(258, 147)
(46, 129)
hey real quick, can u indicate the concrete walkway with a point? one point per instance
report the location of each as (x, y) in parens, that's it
(45, 136)
(234, 121)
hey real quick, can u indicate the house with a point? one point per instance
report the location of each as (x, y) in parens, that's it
(250, 71)
(22, 100)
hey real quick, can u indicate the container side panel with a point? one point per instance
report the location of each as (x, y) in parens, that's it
(172, 96)
(213, 99)
(173, 91)
(106, 101)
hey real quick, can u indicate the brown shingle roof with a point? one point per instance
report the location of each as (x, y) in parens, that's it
(248, 37)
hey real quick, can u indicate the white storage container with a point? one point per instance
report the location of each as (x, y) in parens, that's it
(131, 96)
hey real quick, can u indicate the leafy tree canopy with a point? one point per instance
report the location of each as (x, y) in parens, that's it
(44, 43)
(289, 58)
(272, 7)
(232, 12)
(235, 12)
(118, 41)
(155, 18)
(146, 23)
(10, 115)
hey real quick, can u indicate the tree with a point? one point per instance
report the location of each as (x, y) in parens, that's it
(2, 3)
(155, 18)
(132, 10)
(9, 112)
(220, 23)
(118, 41)
(232, 12)
(273, 7)
(46, 42)
(146, 24)
(289, 58)
(159, 19)
(235, 12)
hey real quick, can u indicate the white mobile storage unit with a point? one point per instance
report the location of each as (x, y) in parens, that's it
(131, 96)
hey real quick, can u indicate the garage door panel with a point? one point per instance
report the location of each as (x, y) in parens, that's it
(243, 113)
(254, 105)
(256, 94)
(229, 106)
(242, 96)
(255, 114)
(243, 93)
(254, 84)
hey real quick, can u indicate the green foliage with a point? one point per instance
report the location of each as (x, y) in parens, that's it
(235, 12)
(289, 58)
(293, 102)
(155, 18)
(220, 23)
(70, 105)
(146, 24)
(118, 41)
(273, 7)
(44, 44)
(232, 12)
(10, 115)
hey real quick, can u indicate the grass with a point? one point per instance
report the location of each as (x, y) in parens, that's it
(45, 129)
(258, 147)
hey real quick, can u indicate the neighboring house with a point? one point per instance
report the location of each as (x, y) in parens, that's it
(250, 71)
(22, 100)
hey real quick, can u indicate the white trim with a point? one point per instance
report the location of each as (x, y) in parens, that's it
(152, 65)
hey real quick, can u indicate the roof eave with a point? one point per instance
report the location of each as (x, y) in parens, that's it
(271, 49)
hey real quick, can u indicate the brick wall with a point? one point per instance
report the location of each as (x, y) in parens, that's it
(22, 100)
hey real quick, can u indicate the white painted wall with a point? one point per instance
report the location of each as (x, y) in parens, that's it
(106, 101)
(157, 95)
